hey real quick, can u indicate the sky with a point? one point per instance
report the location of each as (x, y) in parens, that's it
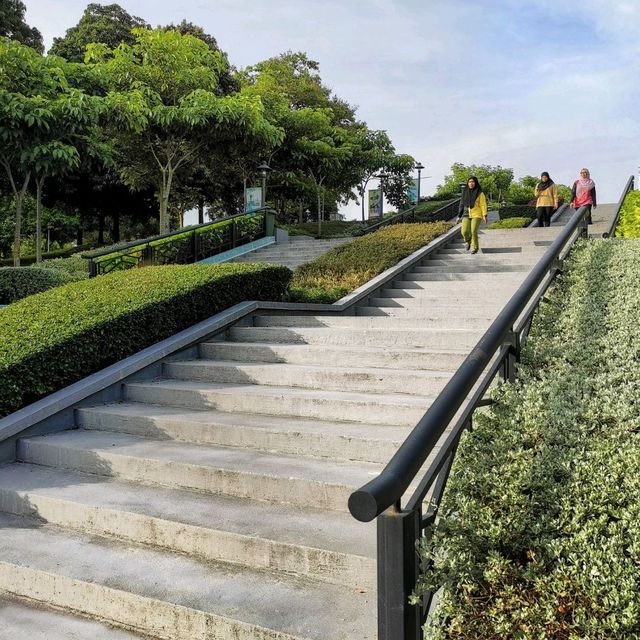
(535, 86)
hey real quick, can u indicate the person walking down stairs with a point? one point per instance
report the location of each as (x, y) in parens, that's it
(472, 210)
(546, 199)
(583, 193)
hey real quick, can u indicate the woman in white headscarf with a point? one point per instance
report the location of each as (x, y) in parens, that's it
(583, 193)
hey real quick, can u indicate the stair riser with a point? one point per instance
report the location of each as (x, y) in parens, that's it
(426, 316)
(435, 339)
(383, 381)
(157, 618)
(496, 286)
(477, 276)
(440, 321)
(303, 354)
(482, 267)
(369, 412)
(322, 445)
(207, 544)
(186, 476)
(416, 298)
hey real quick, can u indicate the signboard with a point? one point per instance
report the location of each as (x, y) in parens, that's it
(252, 199)
(412, 192)
(374, 204)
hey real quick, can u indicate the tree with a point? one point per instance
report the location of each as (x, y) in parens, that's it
(495, 181)
(399, 169)
(109, 24)
(13, 26)
(165, 113)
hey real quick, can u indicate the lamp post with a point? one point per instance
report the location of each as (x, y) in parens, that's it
(419, 167)
(264, 168)
(382, 176)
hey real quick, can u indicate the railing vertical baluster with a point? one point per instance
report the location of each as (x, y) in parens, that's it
(147, 256)
(195, 247)
(234, 234)
(398, 571)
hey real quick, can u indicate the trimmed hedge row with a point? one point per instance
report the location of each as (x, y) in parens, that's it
(629, 221)
(330, 229)
(19, 282)
(539, 532)
(517, 211)
(51, 255)
(53, 339)
(510, 223)
(345, 268)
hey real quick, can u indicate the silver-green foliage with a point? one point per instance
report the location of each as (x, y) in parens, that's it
(539, 535)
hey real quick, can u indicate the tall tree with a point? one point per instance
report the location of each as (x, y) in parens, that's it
(14, 27)
(109, 24)
(495, 180)
(165, 111)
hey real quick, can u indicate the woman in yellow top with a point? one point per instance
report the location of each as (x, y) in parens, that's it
(472, 210)
(546, 199)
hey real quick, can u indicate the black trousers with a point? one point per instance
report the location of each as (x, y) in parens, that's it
(544, 216)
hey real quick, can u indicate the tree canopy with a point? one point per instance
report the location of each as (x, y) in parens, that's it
(14, 27)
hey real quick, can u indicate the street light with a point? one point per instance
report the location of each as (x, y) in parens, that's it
(264, 168)
(382, 176)
(419, 167)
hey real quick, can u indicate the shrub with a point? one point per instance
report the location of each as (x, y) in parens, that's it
(510, 223)
(53, 339)
(51, 255)
(345, 268)
(629, 221)
(19, 282)
(539, 532)
(75, 267)
(517, 211)
(330, 229)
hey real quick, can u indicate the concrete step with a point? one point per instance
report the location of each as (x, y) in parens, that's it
(279, 434)
(319, 545)
(478, 276)
(425, 315)
(472, 321)
(387, 409)
(469, 266)
(171, 596)
(326, 484)
(437, 338)
(466, 284)
(357, 379)
(340, 356)
(26, 620)
(516, 252)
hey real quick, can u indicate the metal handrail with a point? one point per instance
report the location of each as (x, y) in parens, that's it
(99, 253)
(389, 486)
(616, 216)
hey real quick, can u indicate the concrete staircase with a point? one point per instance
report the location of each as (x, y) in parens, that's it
(293, 252)
(212, 502)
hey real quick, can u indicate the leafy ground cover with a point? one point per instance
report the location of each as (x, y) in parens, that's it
(629, 221)
(517, 211)
(52, 339)
(510, 223)
(539, 535)
(345, 268)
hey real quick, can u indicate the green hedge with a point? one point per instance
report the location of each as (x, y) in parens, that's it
(330, 229)
(51, 255)
(345, 268)
(510, 223)
(629, 221)
(19, 282)
(517, 211)
(53, 339)
(539, 534)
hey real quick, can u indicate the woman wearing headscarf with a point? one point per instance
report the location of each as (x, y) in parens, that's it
(471, 211)
(546, 199)
(583, 193)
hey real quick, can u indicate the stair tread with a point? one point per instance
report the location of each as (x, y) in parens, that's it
(23, 620)
(331, 612)
(109, 444)
(260, 389)
(285, 424)
(314, 528)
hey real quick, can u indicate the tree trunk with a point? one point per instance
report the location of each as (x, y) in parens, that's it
(319, 216)
(115, 235)
(39, 182)
(100, 229)
(200, 210)
(163, 199)
(19, 196)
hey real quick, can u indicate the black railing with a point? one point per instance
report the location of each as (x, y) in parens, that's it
(401, 527)
(184, 246)
(611, 227)
(445, 212)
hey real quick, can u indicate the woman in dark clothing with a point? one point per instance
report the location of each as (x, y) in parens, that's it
(546, 199)
(583, 193)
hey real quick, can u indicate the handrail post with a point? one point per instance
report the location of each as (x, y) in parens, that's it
(147, 256)
(234, 234)
(93, 269)
(512, 357)
(398, 571)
